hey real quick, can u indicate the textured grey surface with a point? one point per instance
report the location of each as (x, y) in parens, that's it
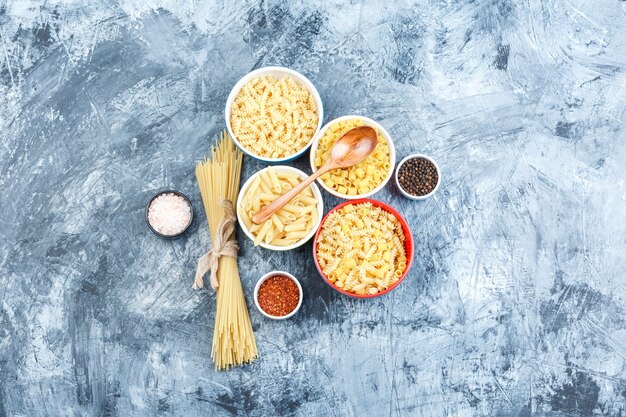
(516, 303)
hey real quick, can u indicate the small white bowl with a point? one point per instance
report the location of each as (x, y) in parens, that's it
(278, 72)
(316, 193)
(367, 122)
(256, 294)
(418, 197)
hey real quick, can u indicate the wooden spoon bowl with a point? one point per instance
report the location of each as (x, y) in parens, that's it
(353, 147)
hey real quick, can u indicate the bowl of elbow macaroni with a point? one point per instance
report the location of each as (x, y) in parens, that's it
(361, 180)
(273, 113)
(363, 248)
(291, 226)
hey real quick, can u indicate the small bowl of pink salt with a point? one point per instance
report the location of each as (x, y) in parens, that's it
(169, 214)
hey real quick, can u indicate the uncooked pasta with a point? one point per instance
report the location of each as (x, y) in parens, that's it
(361, 248)
(218, 178)
(274, 117)
(360, 178)
(294, 222)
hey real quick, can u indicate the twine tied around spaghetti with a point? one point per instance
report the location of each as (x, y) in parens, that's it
(223, 245)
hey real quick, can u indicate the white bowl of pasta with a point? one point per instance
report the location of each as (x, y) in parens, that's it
(273, 114)
(291, 226)
(364, 179)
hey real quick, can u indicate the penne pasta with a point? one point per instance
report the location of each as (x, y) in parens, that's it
(247, 221)
(278, 224)
(265, 176)
(274, 180)
(264, 230)
(298, 234)
(293, 227)
(292, 208)
(293, 181)
(265, 187)
(293, 222)
(268, 197)
(284, 175)
(308, 200)
(254, 186)
(314, 217)
(309, 209)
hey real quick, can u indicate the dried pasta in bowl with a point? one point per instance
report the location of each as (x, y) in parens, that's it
(292, 225)
(363, 179)
(363, 248)
(274, 117)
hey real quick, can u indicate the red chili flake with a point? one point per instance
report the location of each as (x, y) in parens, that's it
(278, 295)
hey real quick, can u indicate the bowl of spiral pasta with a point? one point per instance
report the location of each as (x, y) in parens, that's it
(363, 179)
(291, 226)
(273, 113)
(363, 248)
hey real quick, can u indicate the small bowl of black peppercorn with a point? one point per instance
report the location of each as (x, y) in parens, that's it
(418, 177)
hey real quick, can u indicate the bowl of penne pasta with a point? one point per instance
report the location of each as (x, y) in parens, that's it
(363, 179)
(291, 226)
(363, 248)
(273, 113)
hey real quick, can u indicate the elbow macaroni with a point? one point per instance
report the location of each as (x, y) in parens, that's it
(291, 223)
(361, 250)
(358, 179)
(274, 117)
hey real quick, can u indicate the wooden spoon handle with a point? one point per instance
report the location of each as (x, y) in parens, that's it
(269, 210)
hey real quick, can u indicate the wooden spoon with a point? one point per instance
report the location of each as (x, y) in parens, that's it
(349, 150)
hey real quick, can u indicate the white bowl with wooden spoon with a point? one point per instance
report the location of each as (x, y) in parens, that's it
(245, 219)
(366, 122)
(350, 149)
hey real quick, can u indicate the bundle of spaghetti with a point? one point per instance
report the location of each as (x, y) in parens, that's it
(218, 178)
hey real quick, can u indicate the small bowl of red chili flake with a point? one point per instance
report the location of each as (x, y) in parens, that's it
(278, 295)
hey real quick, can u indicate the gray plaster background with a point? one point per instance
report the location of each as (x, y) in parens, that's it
(516, 303)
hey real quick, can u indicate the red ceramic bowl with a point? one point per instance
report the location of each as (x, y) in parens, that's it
(408, 246)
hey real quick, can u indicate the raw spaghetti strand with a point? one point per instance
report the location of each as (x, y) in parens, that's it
(218, 179)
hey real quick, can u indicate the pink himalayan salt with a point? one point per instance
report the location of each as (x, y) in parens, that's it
(169, 214)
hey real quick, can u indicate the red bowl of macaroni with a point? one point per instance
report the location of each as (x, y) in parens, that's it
(292, 225)
(273, 113)
(363, 179)
(363, 248)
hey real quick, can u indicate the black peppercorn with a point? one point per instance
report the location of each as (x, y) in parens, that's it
(418, 176)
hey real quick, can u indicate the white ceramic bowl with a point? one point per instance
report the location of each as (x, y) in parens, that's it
(316, 193)
(367, 122)
(418, 197)
(277, 72)
(256, 294)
